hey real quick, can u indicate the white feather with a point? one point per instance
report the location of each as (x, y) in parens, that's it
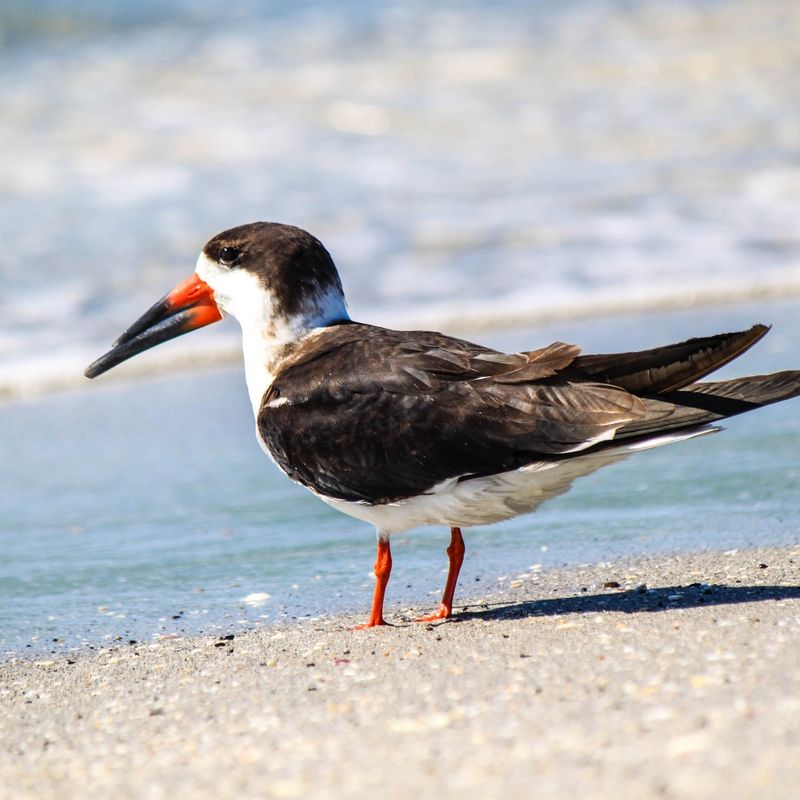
(483, 501)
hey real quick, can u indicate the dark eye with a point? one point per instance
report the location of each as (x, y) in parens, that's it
(229, 255)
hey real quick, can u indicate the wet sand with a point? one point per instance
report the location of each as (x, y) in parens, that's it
(664, 677)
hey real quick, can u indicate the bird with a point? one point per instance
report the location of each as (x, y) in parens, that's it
(401, 428)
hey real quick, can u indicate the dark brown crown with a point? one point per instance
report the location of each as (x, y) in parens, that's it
(291, 263)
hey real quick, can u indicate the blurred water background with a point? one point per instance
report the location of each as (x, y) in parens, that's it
(590, 168)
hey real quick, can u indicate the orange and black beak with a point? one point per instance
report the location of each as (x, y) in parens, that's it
(188, 306)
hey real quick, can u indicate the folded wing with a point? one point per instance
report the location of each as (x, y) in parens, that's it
(373, 415)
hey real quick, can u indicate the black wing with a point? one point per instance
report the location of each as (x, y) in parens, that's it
(369, 414)
(375, 415)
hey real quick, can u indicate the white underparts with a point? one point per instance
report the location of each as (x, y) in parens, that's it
(490, 499)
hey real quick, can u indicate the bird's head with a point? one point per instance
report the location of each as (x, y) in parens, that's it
(278, 281)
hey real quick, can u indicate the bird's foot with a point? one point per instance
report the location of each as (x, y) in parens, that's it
(370, 624)
(443, 613)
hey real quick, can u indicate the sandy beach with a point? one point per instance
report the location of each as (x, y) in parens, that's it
(666, 677)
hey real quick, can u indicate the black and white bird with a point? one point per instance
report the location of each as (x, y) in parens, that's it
(408, 428)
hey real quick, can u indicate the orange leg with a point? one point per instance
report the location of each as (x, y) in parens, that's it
(456, 555)
(383, 569)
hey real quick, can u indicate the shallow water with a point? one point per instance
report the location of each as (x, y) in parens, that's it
(142, 508)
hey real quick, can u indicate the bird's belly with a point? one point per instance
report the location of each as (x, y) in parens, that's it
(494, 498)
(479, 501)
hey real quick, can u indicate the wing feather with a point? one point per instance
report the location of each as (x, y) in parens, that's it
(375, 415)
(665, 369)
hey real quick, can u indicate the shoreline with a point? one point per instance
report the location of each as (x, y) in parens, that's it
(475, 597)
(660, 676)
(65, 373)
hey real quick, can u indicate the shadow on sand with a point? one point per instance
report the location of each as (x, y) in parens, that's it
(632, 601)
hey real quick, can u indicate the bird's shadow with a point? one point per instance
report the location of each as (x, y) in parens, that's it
(631, 601)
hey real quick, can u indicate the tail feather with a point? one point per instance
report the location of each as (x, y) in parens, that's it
(755, 390)
(704, 403)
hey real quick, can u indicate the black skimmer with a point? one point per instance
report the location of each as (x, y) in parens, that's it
(407, 428)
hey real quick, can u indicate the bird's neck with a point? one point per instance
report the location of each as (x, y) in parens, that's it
(269, 339)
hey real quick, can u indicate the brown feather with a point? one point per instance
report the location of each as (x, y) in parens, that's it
(665, 369)
(377, 415)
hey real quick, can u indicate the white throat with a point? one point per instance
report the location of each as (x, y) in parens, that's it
(265, 331)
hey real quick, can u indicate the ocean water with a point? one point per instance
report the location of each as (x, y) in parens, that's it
(512, 172)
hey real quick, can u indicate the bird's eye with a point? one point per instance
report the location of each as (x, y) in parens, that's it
(228, 256)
